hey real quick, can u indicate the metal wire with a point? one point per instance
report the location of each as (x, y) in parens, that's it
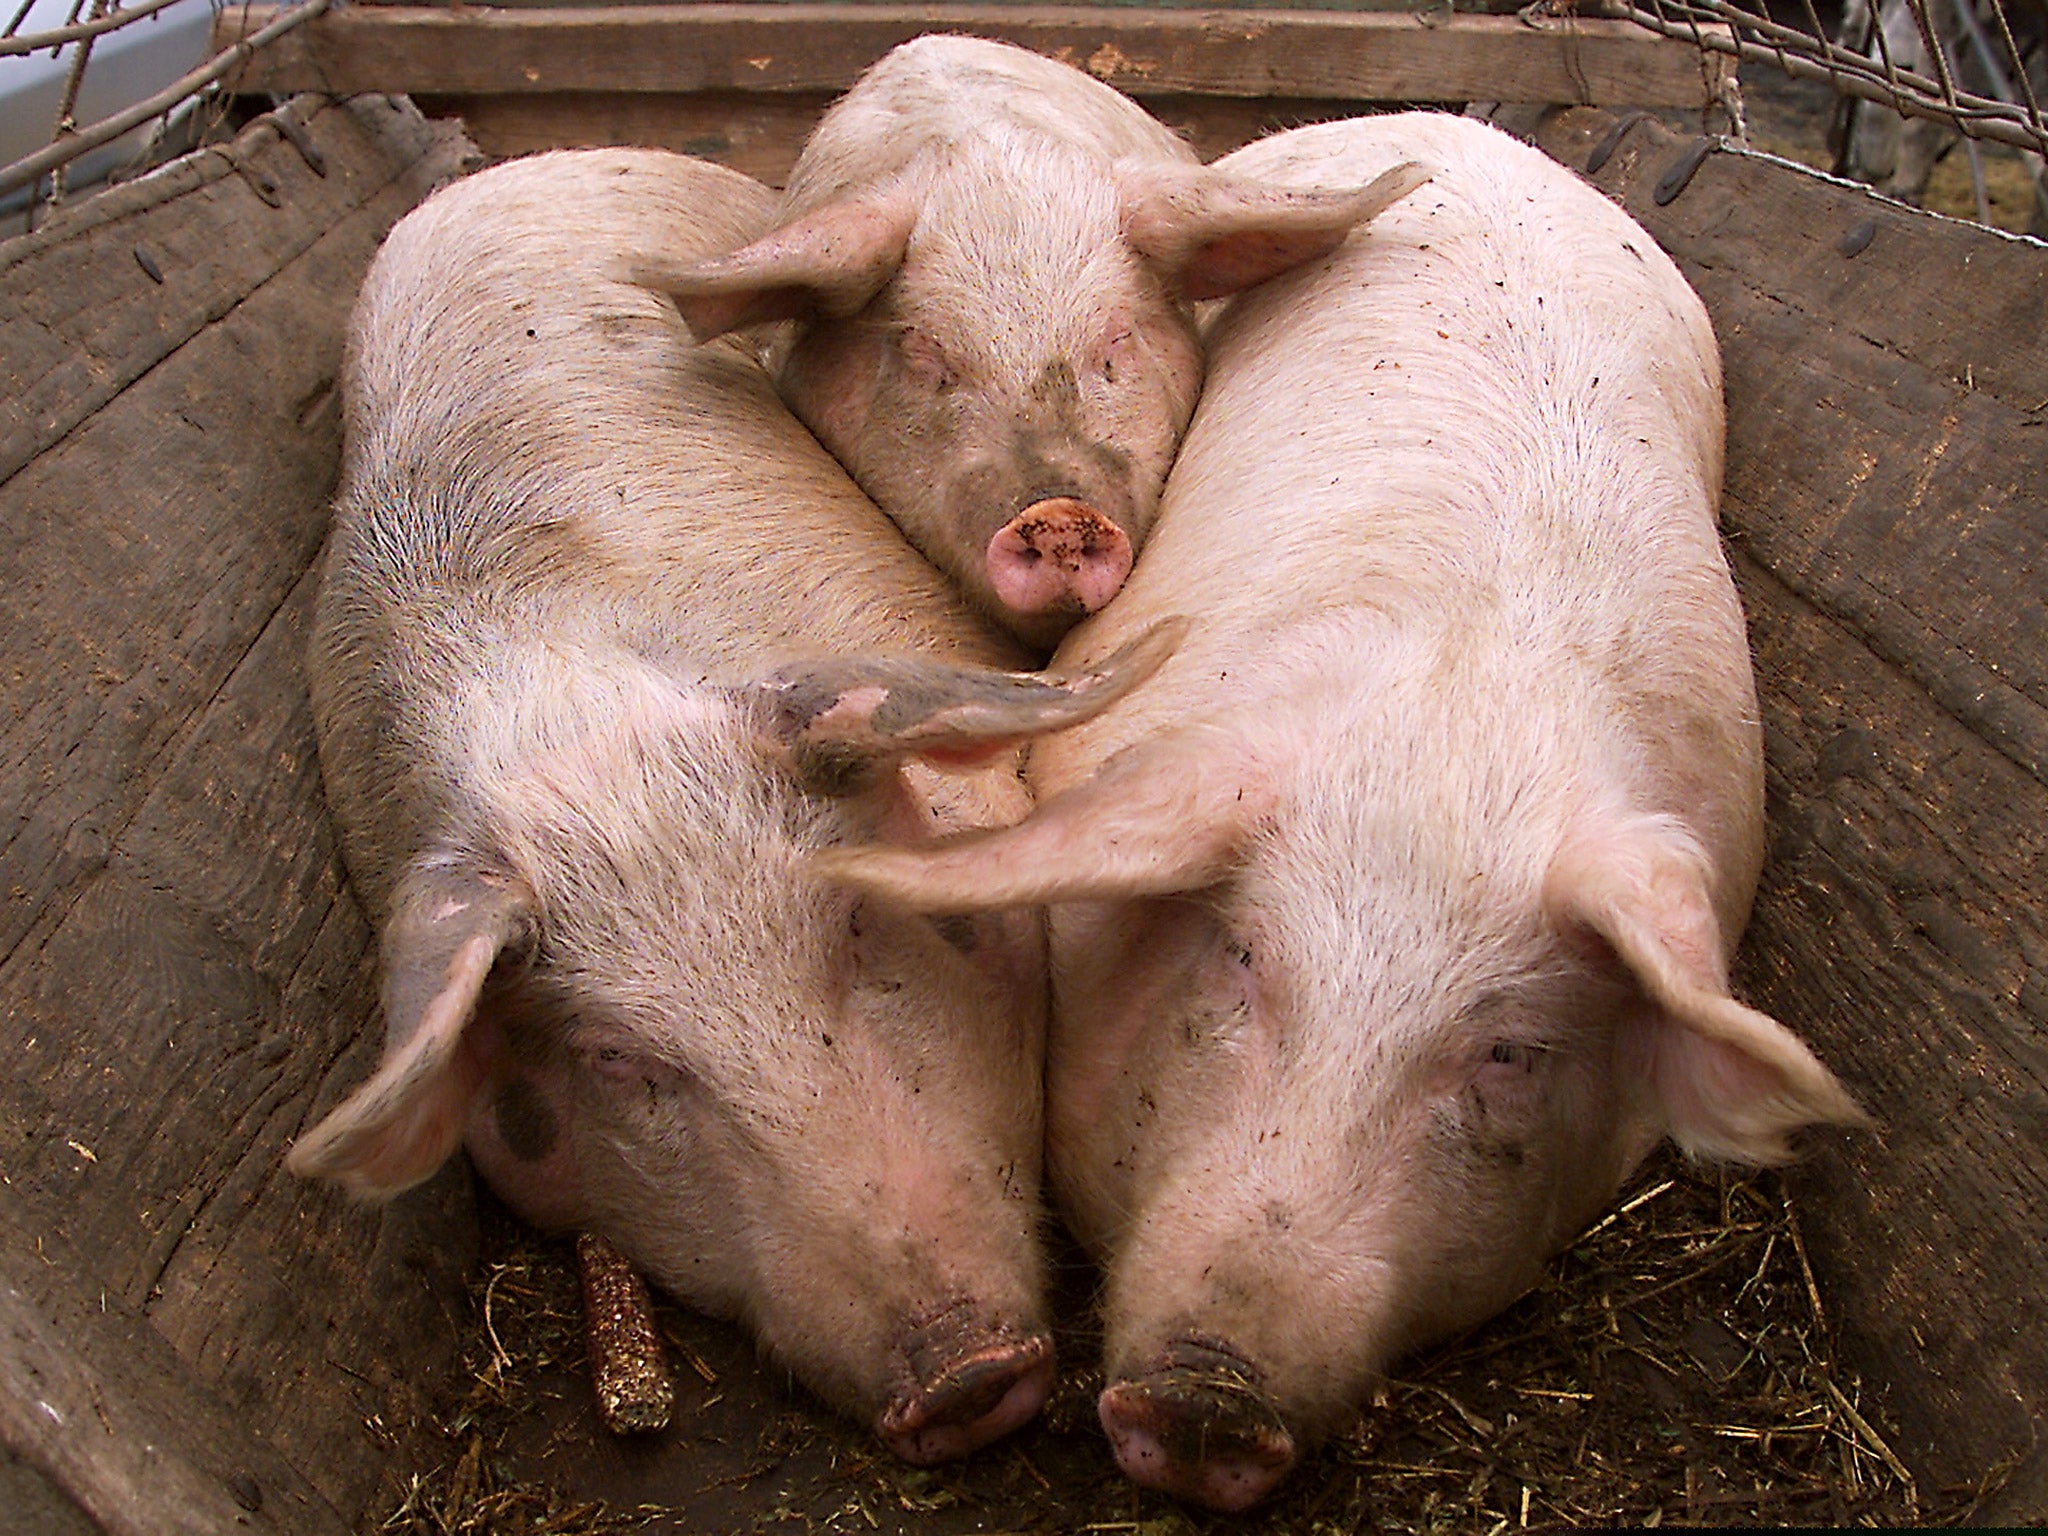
(69, 146)
(56, 37)
(1723, 26)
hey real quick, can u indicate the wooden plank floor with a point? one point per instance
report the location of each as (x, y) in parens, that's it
(1887, 384)
(184, 981)
(182, 971)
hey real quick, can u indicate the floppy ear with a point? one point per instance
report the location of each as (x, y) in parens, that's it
(1168, 815)
(1732, 1082)
(835, 719)
(831, 260)
(449, 925)
(1213, 233)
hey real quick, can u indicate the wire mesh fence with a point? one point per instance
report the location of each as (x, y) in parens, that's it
(48, 52)
(1910, 80)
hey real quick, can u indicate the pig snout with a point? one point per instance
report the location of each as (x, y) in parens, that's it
(973, 1384)
(1058, 555)
(1200, 1427)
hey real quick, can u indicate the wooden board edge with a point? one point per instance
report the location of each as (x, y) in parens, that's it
(1367, 56)
(94, 1399)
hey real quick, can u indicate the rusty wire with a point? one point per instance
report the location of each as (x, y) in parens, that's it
(2012, 116)
(71, 141)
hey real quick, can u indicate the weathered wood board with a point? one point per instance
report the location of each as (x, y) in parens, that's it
(182, 972)
(761, 134)
(777, 48)
(1887, 500)
(184, 981)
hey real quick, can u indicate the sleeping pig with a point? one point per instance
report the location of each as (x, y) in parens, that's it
(992, 259)
(606, 645)
(1401, 899)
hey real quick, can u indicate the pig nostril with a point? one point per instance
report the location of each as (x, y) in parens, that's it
(1058, 554)
(977, 1399)
(1216, 1443)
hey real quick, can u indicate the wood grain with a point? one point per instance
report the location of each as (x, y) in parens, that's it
(1351, 56)
(761, 134)
(1885, 385)
(184, 978)
(116, 1425)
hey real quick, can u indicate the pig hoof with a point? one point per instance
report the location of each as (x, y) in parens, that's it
(1204, 1434)
(977, 1399)
(1058, 555)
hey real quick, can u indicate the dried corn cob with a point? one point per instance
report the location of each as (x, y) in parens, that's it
(628, 1367)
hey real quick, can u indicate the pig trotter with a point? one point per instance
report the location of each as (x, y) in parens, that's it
(1199, 1428)
(978, 1398)
(628, 1368)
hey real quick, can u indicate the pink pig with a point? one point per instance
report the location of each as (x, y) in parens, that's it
(1398, 905)
(992, 258)
(606, 645)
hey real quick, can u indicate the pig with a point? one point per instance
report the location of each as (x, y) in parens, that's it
(992, 260)
(1395, 910)
(605, 644)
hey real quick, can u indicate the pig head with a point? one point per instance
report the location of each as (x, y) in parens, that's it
(610, 971)
(991, 259)
(606, 648)
(1397, 909)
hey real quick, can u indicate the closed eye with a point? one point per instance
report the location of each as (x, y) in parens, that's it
(1114, 355)
(927, 360)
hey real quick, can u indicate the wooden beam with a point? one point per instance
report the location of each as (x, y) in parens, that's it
(95, 1401)
(761, 134)
(684, 49)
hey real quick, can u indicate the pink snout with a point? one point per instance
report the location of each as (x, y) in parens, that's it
(978, 1398)
(1058, 553)
(1199, 1429)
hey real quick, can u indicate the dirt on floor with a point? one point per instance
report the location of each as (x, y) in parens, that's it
(1674, 1367)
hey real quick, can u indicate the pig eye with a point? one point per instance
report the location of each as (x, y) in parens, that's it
(1240, 954)
(927, 361)
(1115, 356)
(1514, 1054)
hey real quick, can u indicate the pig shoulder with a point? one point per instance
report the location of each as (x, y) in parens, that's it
(1491, 423)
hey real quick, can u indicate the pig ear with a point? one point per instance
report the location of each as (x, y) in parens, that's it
(1213, 233)
(833, 718)
(833, 259)
(1170, 815)
(1732, 1082)
(449, 925)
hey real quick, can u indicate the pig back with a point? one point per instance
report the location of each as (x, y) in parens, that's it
(1490, 424)
(928, 95)
(536, 451)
